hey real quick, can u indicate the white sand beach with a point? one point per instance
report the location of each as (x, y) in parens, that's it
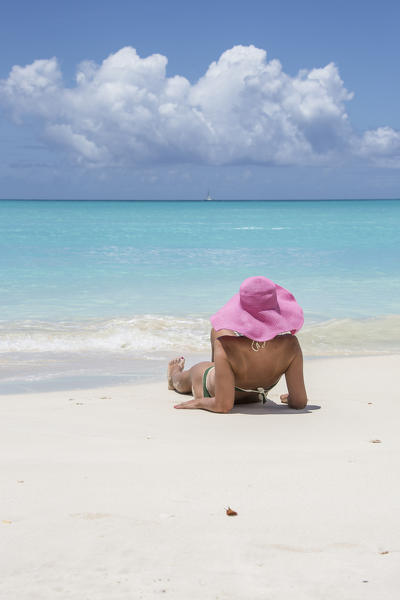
(111, 493)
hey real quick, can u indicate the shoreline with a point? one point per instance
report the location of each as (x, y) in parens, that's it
(144, 371)
(111, 492)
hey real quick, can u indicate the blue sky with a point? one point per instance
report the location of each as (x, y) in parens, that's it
(158, 119)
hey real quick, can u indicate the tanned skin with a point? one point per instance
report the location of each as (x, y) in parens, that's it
(237, 364)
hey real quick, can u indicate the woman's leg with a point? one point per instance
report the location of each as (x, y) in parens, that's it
(178, 379)
(186, 382)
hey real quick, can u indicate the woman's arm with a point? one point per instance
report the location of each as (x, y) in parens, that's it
(297, 397)
(210, 404)
(213, 335)
(224, 397)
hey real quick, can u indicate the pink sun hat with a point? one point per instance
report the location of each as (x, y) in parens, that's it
(261, 310)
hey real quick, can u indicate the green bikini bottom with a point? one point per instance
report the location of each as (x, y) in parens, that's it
(262, 393)
(206, 393)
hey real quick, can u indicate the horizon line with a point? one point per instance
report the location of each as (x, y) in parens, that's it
(196, 200)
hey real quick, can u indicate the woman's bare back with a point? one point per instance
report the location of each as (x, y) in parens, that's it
(263, 364)
(241, 362)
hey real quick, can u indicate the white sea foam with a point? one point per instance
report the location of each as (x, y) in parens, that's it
(39, 356)
(139, 334)
(145, 336)
(378, 335)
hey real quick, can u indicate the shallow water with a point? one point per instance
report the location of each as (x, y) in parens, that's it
(109, 281)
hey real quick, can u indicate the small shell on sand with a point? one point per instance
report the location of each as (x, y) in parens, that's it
(230, 512)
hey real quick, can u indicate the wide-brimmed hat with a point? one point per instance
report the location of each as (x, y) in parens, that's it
(261, 310)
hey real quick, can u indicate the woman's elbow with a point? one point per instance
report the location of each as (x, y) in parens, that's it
(224, 407)
(298, 403)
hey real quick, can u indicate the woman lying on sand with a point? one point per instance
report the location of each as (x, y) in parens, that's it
(251, 350)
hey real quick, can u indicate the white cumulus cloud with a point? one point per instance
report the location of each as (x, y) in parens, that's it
(244, 110)
(382, 145)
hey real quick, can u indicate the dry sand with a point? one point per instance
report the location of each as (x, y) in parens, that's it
(111, 493)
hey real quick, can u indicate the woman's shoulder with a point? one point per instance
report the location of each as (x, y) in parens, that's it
(224, 333)
(288, 344)
(287, 338)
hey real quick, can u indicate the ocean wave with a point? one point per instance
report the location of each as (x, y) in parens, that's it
(377, 335)
(138, 334)
(247, 228)
(145, 335)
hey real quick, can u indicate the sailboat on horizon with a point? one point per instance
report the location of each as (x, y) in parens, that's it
(208, 198)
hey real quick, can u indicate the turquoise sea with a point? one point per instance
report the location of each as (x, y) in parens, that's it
(95, 292)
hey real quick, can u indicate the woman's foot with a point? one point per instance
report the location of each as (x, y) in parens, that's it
(175, 365)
